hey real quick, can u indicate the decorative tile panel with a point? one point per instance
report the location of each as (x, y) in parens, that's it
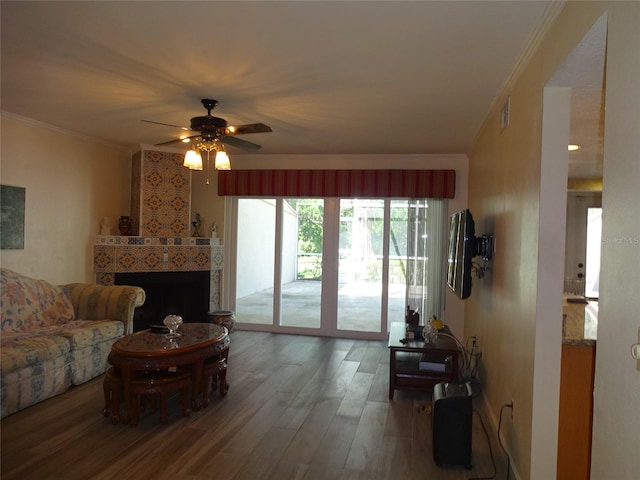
(217, 258)
(128, 259)
(104, 258)
(107, 279)
(156, 254)
(214, 291)
(162, 207)
(136, 191)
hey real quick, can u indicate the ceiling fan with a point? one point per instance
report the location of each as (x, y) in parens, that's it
(211, 129)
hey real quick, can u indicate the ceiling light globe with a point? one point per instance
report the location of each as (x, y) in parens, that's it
(193, 160)
(222, 161)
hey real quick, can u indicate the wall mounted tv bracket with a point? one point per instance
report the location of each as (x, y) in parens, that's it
(484, 249)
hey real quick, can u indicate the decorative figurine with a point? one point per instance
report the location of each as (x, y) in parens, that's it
(105, 226)
(197, 226)
(430, 333)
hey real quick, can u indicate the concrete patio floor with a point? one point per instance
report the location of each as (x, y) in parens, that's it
(359, 305)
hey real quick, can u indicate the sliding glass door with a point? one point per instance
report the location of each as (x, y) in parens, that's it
(337, 267)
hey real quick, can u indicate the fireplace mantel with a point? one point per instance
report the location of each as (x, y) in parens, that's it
(126, 254)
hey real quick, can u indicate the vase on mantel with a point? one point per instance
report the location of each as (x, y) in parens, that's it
(124, 224)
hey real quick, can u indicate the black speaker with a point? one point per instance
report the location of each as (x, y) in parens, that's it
(452, 418)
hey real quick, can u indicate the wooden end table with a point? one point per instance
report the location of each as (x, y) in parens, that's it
(147, 351)
(418, 366)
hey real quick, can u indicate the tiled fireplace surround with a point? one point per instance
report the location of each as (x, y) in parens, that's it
(160, 239)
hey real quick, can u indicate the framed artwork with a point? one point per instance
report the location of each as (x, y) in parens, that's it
(12, 217)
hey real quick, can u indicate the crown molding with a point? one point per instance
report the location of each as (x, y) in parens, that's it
(63, 131)
(535, 40)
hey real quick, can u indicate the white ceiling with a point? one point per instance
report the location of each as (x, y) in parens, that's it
(340, 77)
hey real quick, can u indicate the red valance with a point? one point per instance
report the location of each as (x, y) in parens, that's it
(338, 183)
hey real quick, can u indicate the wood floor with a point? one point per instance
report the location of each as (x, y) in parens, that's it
(302, 408)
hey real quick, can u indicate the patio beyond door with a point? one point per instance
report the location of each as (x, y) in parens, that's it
(333, 267)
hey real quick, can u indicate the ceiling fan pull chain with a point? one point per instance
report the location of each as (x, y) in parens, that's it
(208, 153)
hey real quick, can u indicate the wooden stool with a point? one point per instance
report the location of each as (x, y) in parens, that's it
(160, 382)
(144, 385)
(112, 387)
(113, 395)
(214, 370)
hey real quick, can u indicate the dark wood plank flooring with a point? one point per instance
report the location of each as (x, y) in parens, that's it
(299, 408)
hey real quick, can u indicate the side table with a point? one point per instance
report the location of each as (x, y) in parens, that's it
(418, 366)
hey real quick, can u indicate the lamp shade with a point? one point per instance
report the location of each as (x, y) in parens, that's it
(193, 160)
(222, 161)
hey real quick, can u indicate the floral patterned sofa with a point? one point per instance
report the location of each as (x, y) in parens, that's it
(53, 337)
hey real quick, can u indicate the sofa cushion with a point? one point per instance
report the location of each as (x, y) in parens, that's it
(77, 333)
(26, 352)
(25, 386)
(8, 338)
(28, 304)
(84, 333)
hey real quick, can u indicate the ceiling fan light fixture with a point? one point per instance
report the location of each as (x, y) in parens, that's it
(211, 132)
(222, 161)
(193, 160)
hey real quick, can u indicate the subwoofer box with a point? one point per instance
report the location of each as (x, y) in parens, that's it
(452, 419)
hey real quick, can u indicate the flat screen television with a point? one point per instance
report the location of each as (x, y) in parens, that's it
(463, 246)
(462, 249)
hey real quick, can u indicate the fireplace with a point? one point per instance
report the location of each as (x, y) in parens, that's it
(169, 293)
(179, 273)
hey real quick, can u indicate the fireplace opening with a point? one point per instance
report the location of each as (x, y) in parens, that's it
(169, 293)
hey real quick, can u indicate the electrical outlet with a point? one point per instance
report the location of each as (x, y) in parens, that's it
(512, 409)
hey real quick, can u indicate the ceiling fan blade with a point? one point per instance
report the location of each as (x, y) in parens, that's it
(238, 142)
(165, 124)
(177, 140)
(250, 128)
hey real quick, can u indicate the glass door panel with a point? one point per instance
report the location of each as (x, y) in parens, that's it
(301, 262)
(360, 265)
(397, 304)
(255, 260)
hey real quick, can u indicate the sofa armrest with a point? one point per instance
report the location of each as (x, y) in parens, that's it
(99, 302)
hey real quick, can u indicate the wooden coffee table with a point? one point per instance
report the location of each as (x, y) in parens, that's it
(148, 351)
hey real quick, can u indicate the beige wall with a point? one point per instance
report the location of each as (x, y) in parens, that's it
(71, 184)
(516, 312)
